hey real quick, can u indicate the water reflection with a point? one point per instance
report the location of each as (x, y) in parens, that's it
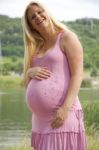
(15, 118)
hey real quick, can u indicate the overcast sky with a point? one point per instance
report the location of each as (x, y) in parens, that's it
(61, 9)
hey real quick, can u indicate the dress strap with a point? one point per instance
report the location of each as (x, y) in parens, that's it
(59, 36)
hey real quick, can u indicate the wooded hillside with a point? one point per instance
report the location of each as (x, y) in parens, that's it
(87, 30)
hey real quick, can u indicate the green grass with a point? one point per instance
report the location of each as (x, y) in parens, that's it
(10, 59)
(93, 143)
(91, 115)
(10, 80)
(24, 145)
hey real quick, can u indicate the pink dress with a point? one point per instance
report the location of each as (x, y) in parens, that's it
(43, 97)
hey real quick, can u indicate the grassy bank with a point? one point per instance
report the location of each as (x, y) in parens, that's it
(93, 144)
(91, 116)
(10, 80)
(91, 112)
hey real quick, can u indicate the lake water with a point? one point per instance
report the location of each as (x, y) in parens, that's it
(15, 118)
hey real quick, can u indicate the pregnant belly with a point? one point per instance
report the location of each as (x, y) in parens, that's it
(44, 95)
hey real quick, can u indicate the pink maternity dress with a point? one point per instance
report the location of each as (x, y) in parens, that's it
(43, 97)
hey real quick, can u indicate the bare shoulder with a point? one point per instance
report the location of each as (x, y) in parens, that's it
(73, 50)
(69, 40)
(69, 35)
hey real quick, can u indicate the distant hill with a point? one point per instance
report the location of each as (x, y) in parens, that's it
(87, 30)
(12, 41)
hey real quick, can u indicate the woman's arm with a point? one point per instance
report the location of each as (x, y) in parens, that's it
(74, 53)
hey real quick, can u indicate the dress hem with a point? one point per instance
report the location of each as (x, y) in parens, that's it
(59, 141)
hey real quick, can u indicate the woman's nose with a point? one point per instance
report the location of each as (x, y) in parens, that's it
(38, 15)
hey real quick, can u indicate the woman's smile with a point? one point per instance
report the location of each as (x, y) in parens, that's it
(40, 22)
(38, 17)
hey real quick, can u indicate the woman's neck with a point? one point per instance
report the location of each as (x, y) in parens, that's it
(48, 34)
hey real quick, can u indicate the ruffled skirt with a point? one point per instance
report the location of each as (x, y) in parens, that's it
(69, 137)
(59, 141)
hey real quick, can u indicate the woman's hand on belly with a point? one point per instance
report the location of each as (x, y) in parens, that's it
(59, 117)
(38, 72)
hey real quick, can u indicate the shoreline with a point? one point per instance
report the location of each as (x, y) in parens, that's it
(11, 80)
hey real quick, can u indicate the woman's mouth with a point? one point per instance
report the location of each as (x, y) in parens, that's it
(40, 22)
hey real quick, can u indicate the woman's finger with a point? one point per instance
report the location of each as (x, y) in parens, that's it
(39, 78)
(45, 73)
(46, 70)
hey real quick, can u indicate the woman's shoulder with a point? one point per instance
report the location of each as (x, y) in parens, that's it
(69, 39)
(68, 35)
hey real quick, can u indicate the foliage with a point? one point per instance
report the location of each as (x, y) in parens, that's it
(86, 82)
(11, 80)
(94, 72)
(87, 30)
(91, 113)
(13, 64)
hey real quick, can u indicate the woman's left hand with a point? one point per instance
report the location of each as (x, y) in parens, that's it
(59, 117)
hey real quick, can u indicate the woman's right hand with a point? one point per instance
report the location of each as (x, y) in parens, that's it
(38, 73)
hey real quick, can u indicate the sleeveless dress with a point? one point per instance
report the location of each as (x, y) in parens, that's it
(44, 97)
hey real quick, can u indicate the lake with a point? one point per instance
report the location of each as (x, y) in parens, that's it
(15, 118)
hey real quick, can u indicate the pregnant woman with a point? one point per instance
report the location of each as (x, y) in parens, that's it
(53, 72)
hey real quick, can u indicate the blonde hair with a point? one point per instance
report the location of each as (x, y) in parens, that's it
(32, 38)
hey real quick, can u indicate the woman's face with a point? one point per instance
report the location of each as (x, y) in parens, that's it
(38, 18)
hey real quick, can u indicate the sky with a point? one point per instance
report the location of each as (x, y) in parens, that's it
(61, 9)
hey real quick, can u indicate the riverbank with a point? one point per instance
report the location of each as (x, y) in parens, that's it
(92, 144)
(11, 80)
(91, 111)
(18, 81)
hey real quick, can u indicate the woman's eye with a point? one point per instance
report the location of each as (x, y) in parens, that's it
(34, 16)
(40, 11)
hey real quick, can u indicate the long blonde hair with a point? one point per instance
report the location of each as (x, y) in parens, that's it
(32, 38)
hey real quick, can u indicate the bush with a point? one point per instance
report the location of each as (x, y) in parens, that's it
(86, 82)
(6, 68)
(94, 72)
